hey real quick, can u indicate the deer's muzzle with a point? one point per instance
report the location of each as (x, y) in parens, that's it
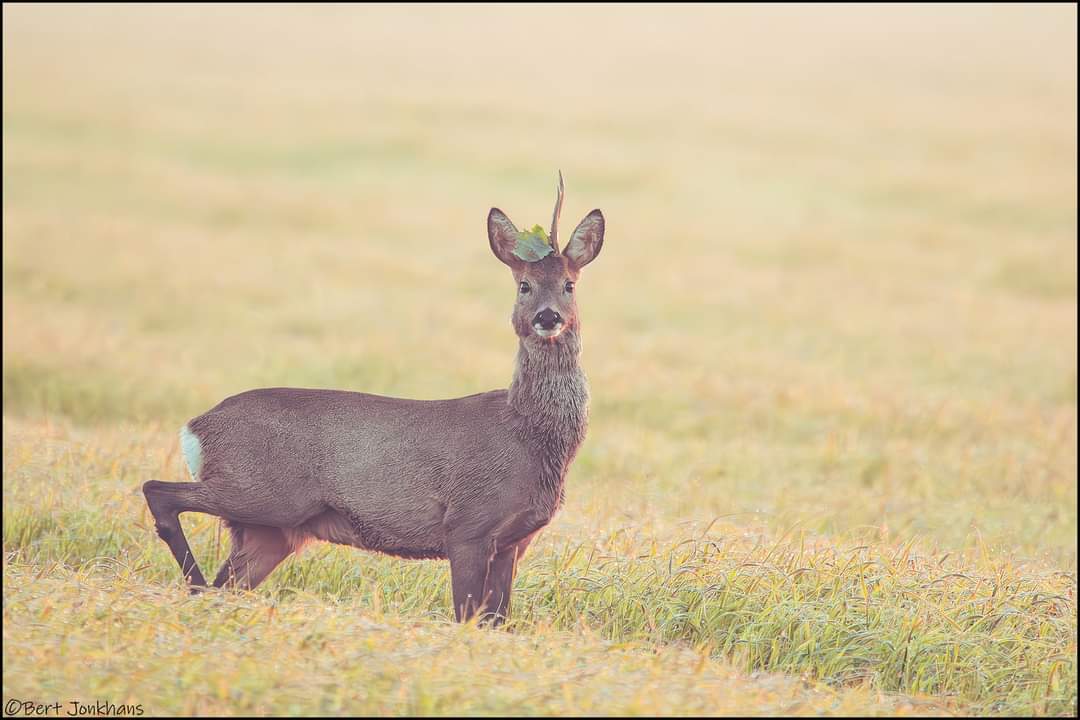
(547, 323)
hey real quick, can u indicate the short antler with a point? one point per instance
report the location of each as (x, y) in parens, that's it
(555, 217)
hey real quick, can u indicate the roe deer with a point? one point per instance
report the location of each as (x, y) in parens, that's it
(471, 479)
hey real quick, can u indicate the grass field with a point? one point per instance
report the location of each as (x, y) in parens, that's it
(831, 341)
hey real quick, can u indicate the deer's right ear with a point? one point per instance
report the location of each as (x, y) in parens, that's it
(503, 237)
(586, 241)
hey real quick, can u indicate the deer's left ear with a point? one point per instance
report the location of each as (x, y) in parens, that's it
(502, 235)
(586, 241)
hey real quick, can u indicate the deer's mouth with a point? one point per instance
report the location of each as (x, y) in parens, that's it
(548, 323)
(549, 333)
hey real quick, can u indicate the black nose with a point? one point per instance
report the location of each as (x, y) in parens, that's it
(548, 319)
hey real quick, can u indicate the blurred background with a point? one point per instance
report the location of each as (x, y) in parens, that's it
(831, 341)
(838, 286)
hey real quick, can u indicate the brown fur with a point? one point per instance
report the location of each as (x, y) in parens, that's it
(471, 479)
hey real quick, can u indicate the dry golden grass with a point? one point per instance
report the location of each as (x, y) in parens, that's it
(836, 310)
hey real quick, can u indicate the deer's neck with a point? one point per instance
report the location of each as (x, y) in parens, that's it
(550, 395)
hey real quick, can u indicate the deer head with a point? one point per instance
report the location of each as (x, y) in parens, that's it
(545, 277)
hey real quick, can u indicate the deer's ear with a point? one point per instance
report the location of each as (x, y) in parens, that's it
(503, 237)
(586, 241)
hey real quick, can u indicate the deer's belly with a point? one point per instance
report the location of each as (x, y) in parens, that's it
(408, 540)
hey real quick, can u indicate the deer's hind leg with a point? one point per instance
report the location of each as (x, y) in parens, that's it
(256, 551)
(166, 501)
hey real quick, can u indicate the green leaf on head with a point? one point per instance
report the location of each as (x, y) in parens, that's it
(532, 245)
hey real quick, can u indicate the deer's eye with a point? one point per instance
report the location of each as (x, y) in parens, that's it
(568, 287)
(524, 287)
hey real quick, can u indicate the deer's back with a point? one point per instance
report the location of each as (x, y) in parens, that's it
(286, 454)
